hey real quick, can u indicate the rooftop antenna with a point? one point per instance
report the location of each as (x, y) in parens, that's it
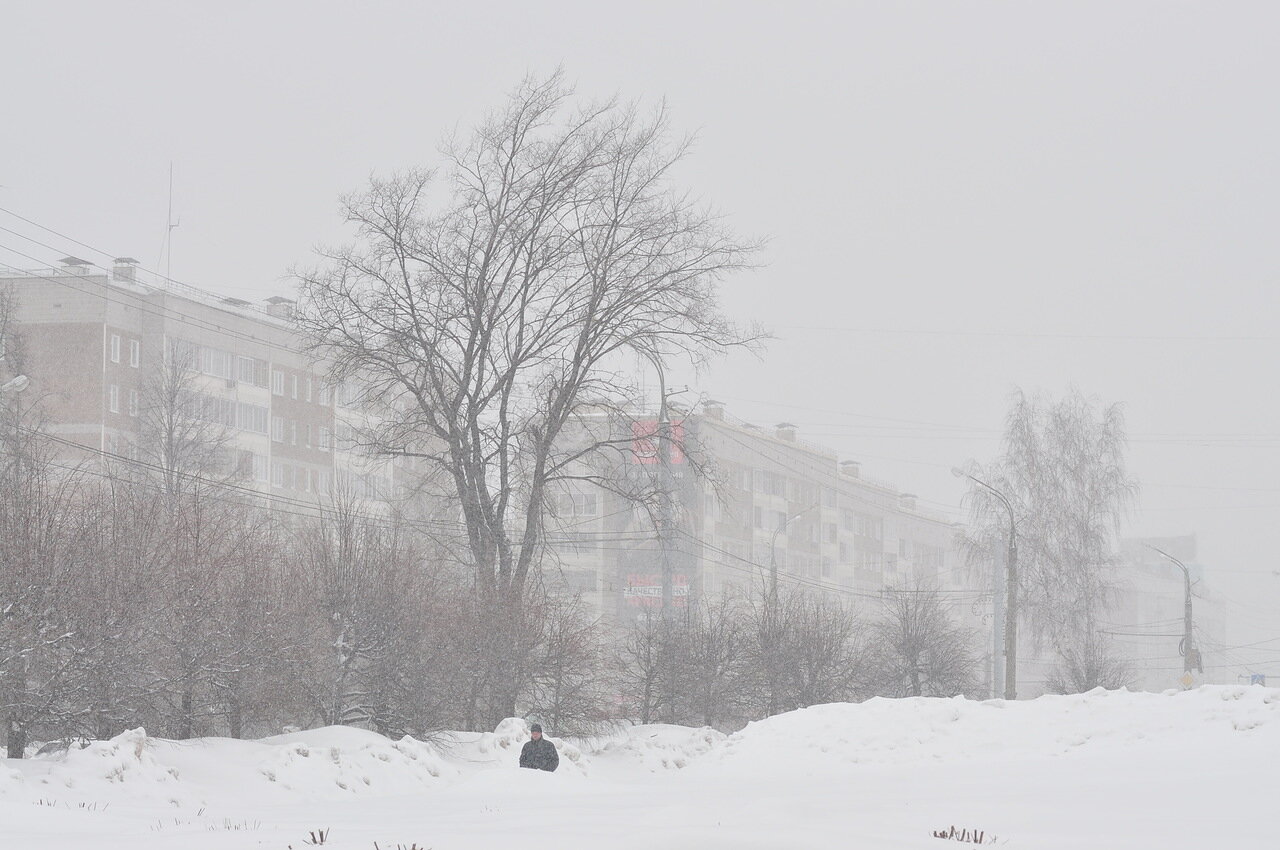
(168, 237)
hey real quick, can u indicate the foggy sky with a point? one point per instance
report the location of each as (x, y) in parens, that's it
(961, 198)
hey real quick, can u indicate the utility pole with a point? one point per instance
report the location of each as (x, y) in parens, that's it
(1190, 655)
(1011, 590)
(997, 626)
(664, 496)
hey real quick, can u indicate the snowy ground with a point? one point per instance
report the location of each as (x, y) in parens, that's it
(1198, 769)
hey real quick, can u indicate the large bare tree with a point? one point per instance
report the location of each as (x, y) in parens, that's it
(484, 306)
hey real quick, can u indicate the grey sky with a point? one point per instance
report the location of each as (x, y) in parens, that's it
(961, 198)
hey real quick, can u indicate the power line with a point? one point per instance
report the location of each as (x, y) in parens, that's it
(1030, 335)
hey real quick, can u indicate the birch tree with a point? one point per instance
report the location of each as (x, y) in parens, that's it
(1062, 468)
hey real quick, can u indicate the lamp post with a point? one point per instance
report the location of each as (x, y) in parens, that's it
(1190, 655)
(773, 551)
(1011, 591)
(664, 518)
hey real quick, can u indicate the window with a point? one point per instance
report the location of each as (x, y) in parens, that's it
(133, 402)
(771, 483)
(576, 504)
(251, 417)
(324, 396)
(260, 468)
(277, 382)
(115, 348)
(246, 369)
(308, 389)
(216, 362)
(277, 429)
(277, 474)
(293, 433)
(113, 398)
(135, 353)
(295, 387)
(306, 435)
(324, 438)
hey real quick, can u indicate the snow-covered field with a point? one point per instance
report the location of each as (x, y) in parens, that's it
(1197, 769)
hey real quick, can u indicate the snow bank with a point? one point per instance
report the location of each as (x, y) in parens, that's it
(658, 747)
(1096, 769)
(904, 731)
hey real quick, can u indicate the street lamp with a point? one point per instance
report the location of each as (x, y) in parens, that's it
(1190, 655)
(773, 551)
(15, 385)
(1011, 588)
(666, 535)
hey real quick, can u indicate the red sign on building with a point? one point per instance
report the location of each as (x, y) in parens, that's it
(644, 590)
(645, 442)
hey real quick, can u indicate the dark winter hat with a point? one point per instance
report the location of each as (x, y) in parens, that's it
(537, 727)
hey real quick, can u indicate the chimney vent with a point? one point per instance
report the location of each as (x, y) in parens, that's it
(713, 409)
(281, 308)
(75, 265)
(124, 269)
(907, 501)
(786, 431)
(851, 468)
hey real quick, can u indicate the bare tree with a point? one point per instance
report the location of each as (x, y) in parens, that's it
(567, 690)
(719, 643)
(481, 319)
(828, 654)
(918, 649)
(358, 572)
(1090, 663)
(38, 658)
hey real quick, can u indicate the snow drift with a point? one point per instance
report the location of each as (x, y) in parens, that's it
(1115, 760)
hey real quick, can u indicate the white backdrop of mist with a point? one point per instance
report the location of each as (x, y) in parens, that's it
(961, 198)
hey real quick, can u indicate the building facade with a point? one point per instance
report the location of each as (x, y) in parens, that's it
(750, 503)
(97, 347)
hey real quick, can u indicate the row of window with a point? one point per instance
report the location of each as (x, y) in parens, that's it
(220, 363)
(135, 350)
(288, 431)
(113, 400)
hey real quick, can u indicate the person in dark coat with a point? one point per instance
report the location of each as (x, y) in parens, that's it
(539, 753)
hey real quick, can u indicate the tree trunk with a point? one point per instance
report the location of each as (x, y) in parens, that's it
(17, 745)
(186, 725)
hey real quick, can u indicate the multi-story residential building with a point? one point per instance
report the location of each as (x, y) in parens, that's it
(96, 345)
(749, 501)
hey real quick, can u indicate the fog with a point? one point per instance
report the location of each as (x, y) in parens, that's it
(959, 199)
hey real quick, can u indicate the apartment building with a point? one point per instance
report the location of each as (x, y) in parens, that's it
(96, 342)
(748, 500)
